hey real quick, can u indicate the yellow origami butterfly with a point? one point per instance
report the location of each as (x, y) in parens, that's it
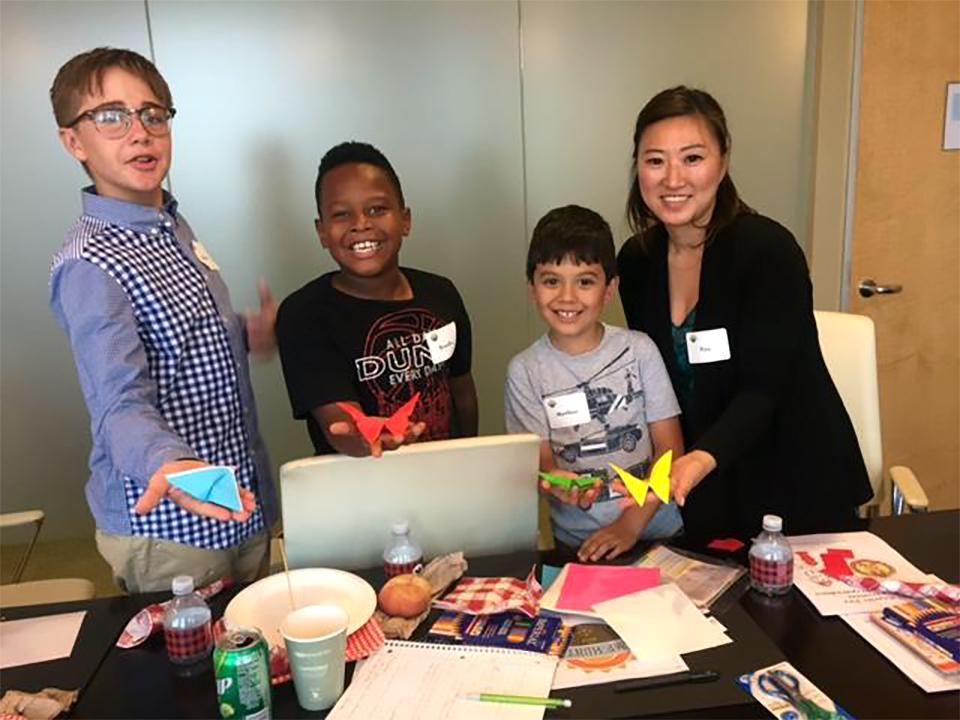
(659, 480)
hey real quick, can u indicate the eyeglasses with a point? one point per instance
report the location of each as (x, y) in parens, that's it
(115, 122)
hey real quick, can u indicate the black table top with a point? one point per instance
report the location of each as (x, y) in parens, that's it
(141, 682)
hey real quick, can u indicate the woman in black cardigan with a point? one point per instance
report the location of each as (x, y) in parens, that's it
(726, 295)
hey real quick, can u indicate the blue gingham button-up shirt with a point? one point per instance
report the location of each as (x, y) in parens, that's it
(161, 358)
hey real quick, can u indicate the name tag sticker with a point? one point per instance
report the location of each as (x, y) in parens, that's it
(442, 342)
(707, 346)
(203, 256)
(567, 410)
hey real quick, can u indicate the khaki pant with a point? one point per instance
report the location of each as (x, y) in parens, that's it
(144, 564)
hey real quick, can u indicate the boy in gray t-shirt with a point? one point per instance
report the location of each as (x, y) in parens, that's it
(595, 393)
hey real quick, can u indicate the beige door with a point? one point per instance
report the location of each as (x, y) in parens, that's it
(906, 231)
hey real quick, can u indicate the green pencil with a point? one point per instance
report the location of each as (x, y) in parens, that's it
(522, 700)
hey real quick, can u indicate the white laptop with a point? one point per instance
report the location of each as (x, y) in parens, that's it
(478, 495)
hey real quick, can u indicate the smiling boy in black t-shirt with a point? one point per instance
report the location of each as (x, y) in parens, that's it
(373, 334)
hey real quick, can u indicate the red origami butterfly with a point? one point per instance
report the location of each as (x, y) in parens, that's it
(371, 428)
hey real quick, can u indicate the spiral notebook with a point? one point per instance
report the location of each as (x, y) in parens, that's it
(421, 681)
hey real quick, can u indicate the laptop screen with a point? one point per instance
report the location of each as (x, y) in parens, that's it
(478, 495)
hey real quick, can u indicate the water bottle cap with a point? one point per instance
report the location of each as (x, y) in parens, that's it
(400, 528)
(772, 523)
(182, 584)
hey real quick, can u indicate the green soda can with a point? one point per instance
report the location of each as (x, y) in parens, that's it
(241, 665)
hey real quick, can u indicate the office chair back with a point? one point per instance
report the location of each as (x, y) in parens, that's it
(849, 348)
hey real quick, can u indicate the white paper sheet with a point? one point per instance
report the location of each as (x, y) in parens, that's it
(904, 659)
(833, 597)
(38, 639)
(661, 622)
(596, 655)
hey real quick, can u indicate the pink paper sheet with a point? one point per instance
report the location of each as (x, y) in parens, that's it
(587, 585)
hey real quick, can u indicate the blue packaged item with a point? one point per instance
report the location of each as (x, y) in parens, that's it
(514, 630)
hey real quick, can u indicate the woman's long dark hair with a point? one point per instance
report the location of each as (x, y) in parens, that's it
(682, 101)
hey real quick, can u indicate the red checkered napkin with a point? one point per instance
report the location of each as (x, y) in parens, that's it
(485, 596)
(365, 641)
(150, 620)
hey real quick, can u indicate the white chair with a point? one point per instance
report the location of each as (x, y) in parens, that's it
(21, 519)
(849, 348)
(44, 592)
(37, 592)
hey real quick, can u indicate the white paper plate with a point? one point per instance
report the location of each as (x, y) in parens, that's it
(266, 603)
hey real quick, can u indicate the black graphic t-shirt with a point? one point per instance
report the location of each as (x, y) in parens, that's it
(338, 348)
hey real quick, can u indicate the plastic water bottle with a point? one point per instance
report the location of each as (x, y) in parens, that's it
(403, 554)
(771, 559)
(186, 624)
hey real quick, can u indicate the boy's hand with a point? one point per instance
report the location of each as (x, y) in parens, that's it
(348, 430)
(574, 496)
(159, 488)
(261, 325)
(613, 540)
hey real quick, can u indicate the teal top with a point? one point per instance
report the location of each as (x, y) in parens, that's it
(685, 387)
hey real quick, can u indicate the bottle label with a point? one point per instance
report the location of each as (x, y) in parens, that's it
(771, 573)
(184, 645)
(394, 569)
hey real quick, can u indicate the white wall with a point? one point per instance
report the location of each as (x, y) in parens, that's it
(263, 89)
(590, 66)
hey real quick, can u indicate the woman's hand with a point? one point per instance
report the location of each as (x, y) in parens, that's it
(687, 472)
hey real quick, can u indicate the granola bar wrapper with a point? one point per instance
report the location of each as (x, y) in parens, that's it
(43, 705)
(441, 572)
(150, 620)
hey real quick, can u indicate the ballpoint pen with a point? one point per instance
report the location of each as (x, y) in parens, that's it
(521, 700)
(665, 680)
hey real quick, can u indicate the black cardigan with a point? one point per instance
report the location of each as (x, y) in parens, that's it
(770, 415)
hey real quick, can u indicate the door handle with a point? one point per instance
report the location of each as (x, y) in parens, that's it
(869, 288)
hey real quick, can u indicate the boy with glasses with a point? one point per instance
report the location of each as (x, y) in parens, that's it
(160, 353)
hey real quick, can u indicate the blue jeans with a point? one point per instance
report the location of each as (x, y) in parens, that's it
(666, 523)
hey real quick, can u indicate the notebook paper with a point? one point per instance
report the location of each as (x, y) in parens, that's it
(419, 681)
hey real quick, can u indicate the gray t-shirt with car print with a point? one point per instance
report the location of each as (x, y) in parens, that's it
(624, 387)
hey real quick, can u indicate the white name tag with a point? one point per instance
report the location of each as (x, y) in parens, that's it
(442, 342)
(203, 256)
(707, 346)
(567, 410)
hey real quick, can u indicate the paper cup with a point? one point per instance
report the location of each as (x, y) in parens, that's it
(316, 640)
